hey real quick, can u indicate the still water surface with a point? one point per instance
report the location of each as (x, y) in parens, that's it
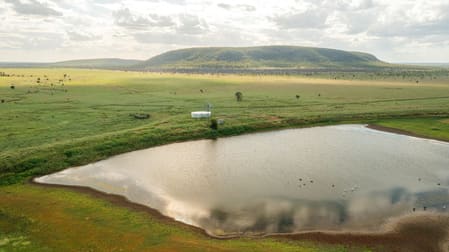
(345, 177)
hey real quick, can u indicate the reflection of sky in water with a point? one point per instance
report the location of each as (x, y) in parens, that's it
(337, 177)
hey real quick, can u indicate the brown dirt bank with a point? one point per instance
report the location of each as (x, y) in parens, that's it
(402, 132)
(427, 232)
(421, 232)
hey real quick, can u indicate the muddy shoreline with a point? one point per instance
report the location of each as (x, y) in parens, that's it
(421, 231)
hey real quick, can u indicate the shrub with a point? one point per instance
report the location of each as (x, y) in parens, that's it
(214, 124)
(239, 96)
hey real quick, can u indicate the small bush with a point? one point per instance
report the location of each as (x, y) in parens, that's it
(239, 96)
(214, 124)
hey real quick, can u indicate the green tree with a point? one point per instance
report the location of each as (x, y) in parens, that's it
(239, 96)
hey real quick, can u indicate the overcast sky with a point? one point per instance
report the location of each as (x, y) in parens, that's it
(52, 30)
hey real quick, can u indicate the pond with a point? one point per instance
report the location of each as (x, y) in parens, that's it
(345, 177)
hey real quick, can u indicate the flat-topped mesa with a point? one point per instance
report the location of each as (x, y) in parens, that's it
(263, 57)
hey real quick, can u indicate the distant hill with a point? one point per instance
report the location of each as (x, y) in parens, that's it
(112, 63)
(261, 57)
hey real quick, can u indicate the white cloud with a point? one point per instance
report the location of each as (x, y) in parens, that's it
(82, 36)
(190, 24)
(33, 7)
(309, 19)
(34, 30)
(237, 7)
(125, 18)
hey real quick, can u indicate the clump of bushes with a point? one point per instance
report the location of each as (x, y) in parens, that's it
(214, 124)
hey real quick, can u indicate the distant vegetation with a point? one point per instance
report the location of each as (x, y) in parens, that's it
(262, 57)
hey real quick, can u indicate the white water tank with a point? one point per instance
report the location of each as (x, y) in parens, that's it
(201, 114)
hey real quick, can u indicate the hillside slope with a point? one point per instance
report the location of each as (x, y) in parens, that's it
(261, 57)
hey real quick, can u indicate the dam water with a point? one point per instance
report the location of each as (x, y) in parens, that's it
(345, 177)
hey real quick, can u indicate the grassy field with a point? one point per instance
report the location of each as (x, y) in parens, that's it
(424, 127)
(88, 115)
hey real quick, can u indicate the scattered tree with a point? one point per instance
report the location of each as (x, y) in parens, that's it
(239, 96)
(298, 96)
(12, 86)
(3, 100)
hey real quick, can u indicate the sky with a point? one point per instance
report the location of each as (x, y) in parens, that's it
(55, 30)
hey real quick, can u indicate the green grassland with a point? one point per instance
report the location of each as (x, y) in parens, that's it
(88, 116)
